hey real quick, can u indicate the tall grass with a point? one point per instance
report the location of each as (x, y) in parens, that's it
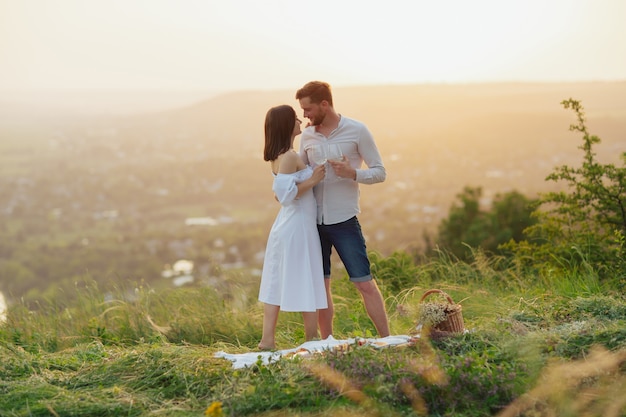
(127, 317)
(137, 351)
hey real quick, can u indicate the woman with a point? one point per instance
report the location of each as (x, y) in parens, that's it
(292, 277)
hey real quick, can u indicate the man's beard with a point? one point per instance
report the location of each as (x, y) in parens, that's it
(318, 120)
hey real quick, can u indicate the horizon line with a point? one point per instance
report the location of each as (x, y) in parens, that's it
(202, 90)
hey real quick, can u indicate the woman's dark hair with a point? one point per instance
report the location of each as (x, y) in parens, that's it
(316, 91)
(279, 124)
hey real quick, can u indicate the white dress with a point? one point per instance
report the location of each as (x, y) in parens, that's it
(292, 276)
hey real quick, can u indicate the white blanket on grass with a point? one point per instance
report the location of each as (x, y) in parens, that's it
(242, 360)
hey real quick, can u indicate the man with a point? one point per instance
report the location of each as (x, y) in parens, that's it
(337, 197)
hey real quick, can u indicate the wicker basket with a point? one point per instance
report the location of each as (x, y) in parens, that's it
(453, 324)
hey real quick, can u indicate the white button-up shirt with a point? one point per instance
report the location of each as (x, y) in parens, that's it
(338, 198)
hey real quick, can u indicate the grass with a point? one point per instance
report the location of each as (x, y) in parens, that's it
(551, 344)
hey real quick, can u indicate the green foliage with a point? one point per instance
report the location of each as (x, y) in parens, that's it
(601, 307)
(471, 385)
(396, 272)
(468, 226)
(480, 383)
(586, 223)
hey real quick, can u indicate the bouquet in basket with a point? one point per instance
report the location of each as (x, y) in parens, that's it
(443, 316)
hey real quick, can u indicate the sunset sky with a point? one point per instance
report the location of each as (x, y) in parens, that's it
(251, 44)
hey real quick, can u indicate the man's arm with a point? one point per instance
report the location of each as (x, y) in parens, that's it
(375, 171)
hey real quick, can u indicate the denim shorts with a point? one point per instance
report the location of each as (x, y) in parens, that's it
(347, 239)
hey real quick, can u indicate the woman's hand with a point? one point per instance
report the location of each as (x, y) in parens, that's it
(319, 172)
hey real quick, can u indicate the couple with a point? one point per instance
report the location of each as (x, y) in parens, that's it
(296, 269)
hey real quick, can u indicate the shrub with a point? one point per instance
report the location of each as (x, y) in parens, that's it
(468, 226)
(584, 225)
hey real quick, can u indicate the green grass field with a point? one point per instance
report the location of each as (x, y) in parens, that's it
(552, 345)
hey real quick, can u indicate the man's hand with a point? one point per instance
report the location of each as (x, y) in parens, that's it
(342, 168)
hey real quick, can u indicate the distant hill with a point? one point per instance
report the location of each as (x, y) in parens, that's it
(415, 115)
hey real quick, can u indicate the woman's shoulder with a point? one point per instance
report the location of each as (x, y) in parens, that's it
(291, 154)
(289, 162)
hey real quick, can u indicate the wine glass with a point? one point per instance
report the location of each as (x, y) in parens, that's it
(318, 154)
(334, 152)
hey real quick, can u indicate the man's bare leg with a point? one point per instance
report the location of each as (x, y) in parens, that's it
(374, 305)
(326, 314)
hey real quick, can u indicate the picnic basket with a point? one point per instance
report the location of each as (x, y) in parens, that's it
(453, 322)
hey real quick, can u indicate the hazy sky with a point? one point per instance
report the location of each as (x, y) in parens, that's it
(266, 44)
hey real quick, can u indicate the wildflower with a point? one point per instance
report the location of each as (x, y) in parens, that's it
(214, 410)
(431, 314)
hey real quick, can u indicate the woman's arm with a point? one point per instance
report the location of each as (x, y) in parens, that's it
(318, 175)
(291, 162)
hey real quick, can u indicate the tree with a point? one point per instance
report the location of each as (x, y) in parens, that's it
(467, 226)
(586, 223)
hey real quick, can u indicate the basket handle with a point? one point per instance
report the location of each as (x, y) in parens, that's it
(434, 291)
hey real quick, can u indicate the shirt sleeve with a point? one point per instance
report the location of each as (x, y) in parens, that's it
(285, 188)
(375, 171)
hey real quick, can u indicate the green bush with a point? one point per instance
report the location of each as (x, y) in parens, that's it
(469, 227)
(584, 225)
